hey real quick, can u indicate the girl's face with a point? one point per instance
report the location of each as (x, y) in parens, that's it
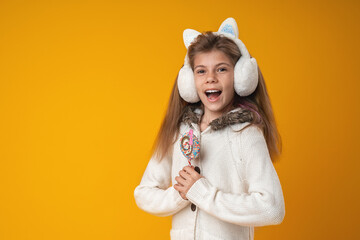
(214, 81)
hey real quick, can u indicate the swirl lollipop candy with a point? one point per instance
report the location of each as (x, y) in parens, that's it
(190, 146)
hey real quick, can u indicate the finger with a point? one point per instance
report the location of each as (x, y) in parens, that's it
(180, 180)
(191, 171)
(178, 187)
(182, 171)
(177, 179)
(184, 174)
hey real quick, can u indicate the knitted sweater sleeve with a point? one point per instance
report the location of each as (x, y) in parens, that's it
(262, 204)
(154, 193)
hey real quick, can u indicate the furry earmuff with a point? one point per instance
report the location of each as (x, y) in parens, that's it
(245, 71)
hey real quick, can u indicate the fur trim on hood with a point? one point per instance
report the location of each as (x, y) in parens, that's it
(193, 114)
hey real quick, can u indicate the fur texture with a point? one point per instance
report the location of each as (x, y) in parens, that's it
(192, 114)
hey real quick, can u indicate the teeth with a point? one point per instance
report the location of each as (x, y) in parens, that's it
(212, 91)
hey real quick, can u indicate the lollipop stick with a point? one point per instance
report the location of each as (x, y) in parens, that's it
(191, 141)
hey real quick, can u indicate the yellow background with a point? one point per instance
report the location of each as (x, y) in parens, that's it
(84, 86)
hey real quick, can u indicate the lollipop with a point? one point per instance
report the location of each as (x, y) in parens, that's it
(189, 146)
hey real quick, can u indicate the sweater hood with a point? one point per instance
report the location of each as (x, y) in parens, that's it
(193, 114)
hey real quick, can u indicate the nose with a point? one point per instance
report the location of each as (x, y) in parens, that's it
(211, 78)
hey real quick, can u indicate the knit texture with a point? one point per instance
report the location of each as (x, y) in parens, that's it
(239, 191)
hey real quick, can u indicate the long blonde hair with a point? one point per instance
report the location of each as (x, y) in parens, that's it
(258, 102)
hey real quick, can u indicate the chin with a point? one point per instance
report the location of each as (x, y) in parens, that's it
(218, 109)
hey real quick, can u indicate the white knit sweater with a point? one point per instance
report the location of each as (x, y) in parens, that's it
(240, 188)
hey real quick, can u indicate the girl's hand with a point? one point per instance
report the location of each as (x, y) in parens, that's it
(188, 176)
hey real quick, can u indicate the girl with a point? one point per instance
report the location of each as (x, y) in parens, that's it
(212, 168)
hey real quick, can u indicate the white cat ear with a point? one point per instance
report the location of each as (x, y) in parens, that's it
(229, 27)
(189, 35)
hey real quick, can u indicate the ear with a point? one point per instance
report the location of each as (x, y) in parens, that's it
(229, 26)
(189, 35)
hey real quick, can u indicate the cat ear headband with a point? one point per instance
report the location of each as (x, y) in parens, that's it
(245, 71)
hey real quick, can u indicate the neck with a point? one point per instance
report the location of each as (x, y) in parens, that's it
(209, 116)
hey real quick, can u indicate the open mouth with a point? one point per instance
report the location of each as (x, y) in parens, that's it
(212, 94)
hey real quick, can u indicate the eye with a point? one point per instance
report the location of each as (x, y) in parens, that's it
(222, 69)
(200, 71)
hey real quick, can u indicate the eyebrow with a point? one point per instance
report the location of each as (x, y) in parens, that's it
(215, 65)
